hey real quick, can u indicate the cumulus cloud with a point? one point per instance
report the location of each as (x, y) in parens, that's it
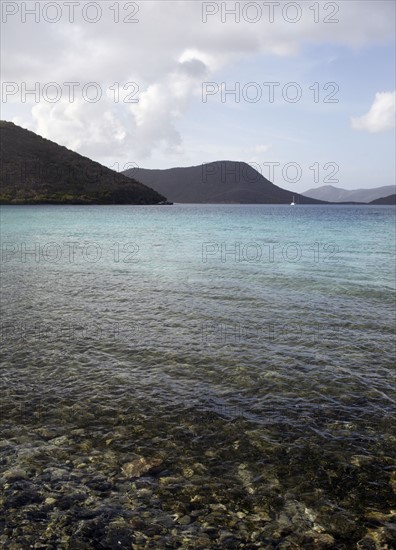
(117, 130)
(381, 116)
(169, 52)
(162, 104)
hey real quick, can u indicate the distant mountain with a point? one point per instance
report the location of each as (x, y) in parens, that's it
(35, 170)
(391, 199)
(217, 182)
(336, 194)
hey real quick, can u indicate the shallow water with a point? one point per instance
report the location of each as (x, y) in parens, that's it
(198, 377)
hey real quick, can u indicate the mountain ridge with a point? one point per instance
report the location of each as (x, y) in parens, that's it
(35, 170)
(330, 193)
(219, 182)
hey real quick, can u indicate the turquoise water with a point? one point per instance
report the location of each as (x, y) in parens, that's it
(243, 354)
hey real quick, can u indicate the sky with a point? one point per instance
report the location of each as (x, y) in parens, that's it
(303, 91)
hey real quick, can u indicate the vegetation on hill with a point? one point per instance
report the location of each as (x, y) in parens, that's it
(218, 182)
(390, 199)
(35, 170)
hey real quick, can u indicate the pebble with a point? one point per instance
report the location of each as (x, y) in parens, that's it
(58, 441)
(188, 472)
(184, 520)
(361, 460)
(218, 507)
(324, 540)
(15, 474)
(140, 466)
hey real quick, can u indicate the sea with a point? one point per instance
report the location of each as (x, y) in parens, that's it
(198, 376)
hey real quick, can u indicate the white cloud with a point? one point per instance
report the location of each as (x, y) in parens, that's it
(121, 131)
(168, 53)
(381, 116)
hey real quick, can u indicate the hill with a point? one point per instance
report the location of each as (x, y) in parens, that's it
(35, 170)
(391, 199)
(337, 194)
(217, 182)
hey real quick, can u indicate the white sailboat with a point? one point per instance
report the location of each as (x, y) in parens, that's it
(292, 202)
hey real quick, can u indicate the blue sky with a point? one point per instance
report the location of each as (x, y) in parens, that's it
(305, 132)
(169, 53)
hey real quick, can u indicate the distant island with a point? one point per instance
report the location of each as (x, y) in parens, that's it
(330, 193)
(35, 170)
(220, 182)
(389, 200)
(232, 182)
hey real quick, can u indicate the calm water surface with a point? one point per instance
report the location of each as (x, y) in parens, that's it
(198, 377)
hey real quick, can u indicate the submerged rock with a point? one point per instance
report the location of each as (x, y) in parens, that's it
(184, 520)
(14, 474)
(140, 466)
(59, 441)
